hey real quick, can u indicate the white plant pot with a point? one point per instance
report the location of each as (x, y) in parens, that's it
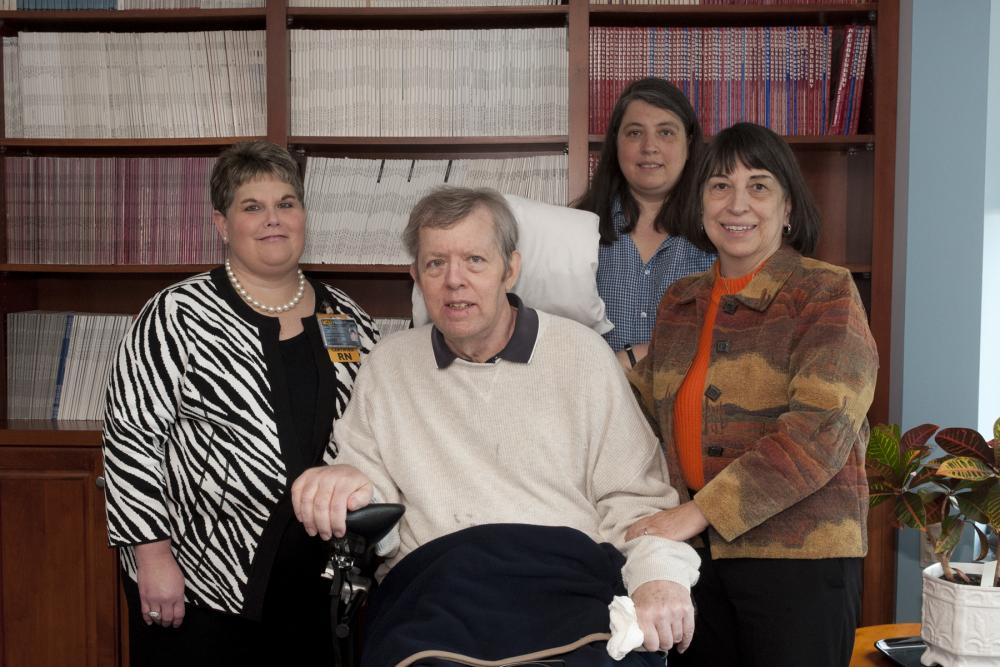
(960, 624)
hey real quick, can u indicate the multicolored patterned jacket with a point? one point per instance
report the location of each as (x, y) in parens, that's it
(790, 379)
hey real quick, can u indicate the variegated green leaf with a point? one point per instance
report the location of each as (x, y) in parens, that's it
(909, 511)
(883, 447)
(965, 467)
(964, 442)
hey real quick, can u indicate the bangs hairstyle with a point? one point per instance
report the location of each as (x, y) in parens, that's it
(756, 147)
(609, 182)
(446, 206)
(246, 161)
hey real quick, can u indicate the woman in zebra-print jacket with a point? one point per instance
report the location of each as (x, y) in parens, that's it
(218, 400)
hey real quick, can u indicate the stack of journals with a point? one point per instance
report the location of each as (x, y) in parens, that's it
(847, 104)
(110, 210)
(158, 211)
(774, 76)
(34, 5)
(778, 2)
(358, 208)
(419, 3)
(429, 82)
(390, 325)
(59, 363)
(135, 85)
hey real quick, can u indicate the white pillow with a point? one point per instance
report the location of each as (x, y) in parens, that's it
(558, 247)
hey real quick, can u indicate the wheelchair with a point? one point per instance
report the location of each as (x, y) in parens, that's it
(351, 572)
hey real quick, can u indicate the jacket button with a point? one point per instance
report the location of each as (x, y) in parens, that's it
(729, 305)
(722, 346)
(715, 451)
(713, 392)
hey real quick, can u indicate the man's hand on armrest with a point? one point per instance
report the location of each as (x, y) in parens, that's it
(665, 614)
(321, 498)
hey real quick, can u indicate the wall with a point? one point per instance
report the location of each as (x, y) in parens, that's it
(945, 297)
(989, 369)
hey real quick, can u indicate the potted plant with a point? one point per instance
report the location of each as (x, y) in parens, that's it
(940, 495)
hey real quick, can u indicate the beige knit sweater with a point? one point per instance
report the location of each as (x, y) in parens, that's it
(559, 441)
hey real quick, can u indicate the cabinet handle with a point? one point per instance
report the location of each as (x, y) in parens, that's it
(99, 481)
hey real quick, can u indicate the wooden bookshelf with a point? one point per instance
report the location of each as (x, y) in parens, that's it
(853, 177)
(732, 15)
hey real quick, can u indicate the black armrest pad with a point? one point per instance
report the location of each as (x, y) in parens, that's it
(373, 522)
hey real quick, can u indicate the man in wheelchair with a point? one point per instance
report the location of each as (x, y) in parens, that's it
(513, 440)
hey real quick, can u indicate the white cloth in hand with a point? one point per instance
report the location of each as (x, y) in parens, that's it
(626, 634)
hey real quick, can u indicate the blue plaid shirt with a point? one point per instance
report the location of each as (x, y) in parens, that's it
(632, 290)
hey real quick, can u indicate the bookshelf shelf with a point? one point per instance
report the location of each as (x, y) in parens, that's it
(50, 433)
(436, 147)
(831, 142)
(728, 15)
(189, 269)
(174, 147)
(134, 20)
(387, 18)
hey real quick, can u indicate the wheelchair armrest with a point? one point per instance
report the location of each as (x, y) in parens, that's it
(373, 522)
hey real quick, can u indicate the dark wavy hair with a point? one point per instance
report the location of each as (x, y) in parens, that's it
(609, 182)
(756, 147)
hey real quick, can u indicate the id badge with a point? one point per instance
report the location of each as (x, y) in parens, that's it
(340, 336)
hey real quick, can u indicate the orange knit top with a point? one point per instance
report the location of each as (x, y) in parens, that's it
(687, 405)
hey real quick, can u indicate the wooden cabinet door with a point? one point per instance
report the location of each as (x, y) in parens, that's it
(58, 578)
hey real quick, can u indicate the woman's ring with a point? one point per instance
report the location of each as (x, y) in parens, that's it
(155, 615)
(645, 531)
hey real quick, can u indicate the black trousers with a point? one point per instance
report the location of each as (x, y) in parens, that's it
(295, 628)
(774, 613)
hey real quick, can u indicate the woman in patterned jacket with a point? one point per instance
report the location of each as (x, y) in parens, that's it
(758, 379)
(224, 390)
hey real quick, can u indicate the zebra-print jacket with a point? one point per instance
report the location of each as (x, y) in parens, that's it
(199, 442)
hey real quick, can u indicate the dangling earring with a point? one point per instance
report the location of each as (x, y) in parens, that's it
(225, 239)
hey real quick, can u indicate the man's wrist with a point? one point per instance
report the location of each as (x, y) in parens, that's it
(630, 353)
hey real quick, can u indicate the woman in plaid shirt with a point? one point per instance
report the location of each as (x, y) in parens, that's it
(643, 169)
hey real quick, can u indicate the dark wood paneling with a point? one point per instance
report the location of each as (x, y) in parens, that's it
(879, 603)
(279, 97)
(58, 591)
(578, 43)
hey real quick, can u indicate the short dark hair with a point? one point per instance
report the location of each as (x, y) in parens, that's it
(756, 147)
(609, 181)
(445, 206)
(245, 161)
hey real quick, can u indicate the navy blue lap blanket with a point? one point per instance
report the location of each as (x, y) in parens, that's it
(497, 594)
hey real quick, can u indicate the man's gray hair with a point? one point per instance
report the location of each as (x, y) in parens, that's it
(446, 206)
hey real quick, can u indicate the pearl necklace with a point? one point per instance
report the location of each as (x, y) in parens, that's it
(272, 310)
